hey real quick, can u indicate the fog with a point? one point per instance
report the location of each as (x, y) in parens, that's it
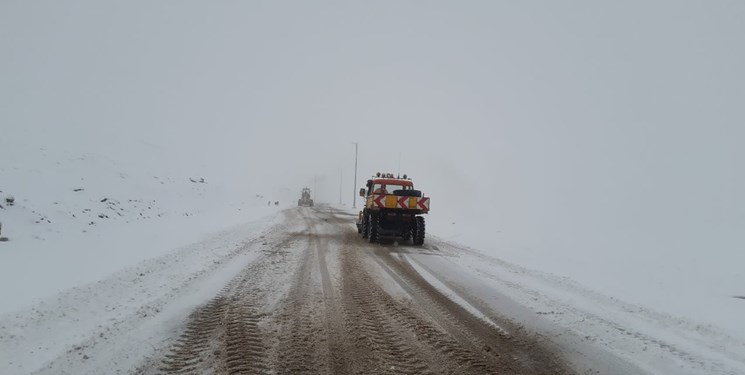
(576, 127)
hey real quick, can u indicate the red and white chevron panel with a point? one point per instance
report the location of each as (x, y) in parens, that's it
(394, 201)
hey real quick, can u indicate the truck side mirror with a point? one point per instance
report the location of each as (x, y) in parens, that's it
(362, 192)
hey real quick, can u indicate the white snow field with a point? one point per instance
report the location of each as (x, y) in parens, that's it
(106, 258)
(95, 249)
(594, 330)
(78, 217)
(119, 321)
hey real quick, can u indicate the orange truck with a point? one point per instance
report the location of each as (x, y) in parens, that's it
(393, 208)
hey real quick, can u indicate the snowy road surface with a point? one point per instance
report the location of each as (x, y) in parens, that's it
(307, 295)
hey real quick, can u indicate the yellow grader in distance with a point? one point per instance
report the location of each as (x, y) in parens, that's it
(392, 208)
(305, 199)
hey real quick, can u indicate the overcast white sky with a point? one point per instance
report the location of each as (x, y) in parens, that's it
(621, 118)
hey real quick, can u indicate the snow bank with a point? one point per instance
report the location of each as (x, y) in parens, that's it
(687, 274)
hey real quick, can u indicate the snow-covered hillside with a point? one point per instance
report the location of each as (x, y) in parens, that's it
(78, 216)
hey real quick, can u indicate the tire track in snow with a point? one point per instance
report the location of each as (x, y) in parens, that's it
(375, 327)
(479, 343)
(225, 335)
(336, 318)
(301, 330)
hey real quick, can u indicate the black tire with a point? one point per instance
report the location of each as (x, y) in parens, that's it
(419, 231)
(374, 226)
(365, 225)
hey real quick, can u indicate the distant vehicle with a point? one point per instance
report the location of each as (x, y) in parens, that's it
(305, 198)
(392, 208)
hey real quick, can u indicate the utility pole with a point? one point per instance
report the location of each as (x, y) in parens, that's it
(354, 201)
(340, 183)
(314, 187)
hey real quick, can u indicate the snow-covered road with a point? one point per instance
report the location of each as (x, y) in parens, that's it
(303, 293)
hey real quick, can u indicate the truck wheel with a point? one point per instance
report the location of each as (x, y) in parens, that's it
(374, 225)
(365, 225)
(419, 231)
